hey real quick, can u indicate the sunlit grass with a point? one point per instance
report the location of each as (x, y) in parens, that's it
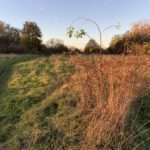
(39, 106)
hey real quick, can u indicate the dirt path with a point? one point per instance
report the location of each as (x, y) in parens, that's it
(8, 55)
(15, 55)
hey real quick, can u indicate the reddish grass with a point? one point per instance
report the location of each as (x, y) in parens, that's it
(106, 89)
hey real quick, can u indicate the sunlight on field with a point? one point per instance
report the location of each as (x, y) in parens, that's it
(47, 101)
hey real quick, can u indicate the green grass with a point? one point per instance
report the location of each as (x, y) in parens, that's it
(37, 111)
(142, 122)
(32, 102)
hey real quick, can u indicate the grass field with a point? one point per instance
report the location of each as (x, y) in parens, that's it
(38, 108)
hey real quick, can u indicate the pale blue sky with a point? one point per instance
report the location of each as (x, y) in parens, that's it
(54, 16)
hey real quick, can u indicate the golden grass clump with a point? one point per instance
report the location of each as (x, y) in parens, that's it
(106, 88)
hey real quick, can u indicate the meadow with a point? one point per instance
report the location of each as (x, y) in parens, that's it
(74, 102)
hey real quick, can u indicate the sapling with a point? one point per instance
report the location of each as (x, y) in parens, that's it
(81, 32)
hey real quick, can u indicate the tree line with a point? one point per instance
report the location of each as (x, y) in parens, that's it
(29, 40)
(14, 40)
(134, 41)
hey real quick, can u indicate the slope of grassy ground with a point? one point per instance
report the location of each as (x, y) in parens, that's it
(37, 110)
(31, 95)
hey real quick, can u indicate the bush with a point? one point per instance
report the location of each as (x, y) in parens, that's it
(2, 49)
(74, 50)
(134, 41)
(106, 88)
(92, 47)
(146, 47)
(139, 48)
(18, 49)
(54, 50)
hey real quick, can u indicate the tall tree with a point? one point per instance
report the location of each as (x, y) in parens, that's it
(54, 43)
(92, 47)
(4, 39)
(8, 34)
(2, 27)
(56, 46)
(141, 31)
(134, 41)
(14, 35)
(31, 35)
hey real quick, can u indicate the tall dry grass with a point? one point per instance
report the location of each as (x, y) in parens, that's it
(106, 89)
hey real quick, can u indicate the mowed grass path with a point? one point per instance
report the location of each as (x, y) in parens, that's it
(37, 110)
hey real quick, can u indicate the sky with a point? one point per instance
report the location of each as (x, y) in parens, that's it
(54, 16)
